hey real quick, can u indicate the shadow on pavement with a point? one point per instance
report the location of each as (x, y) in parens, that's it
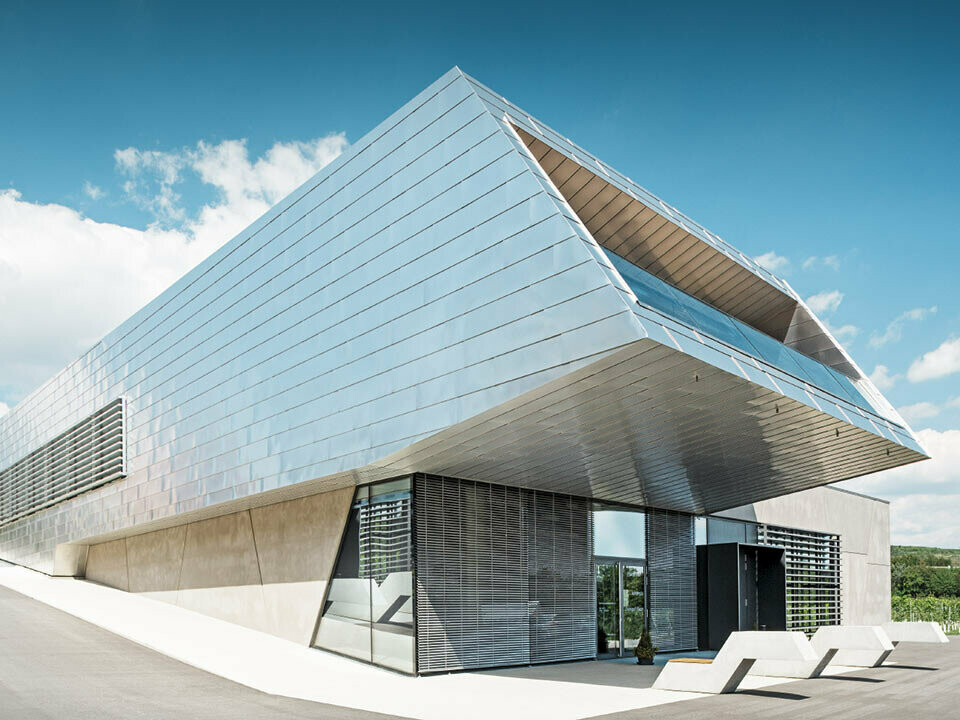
(773, 694)
(848, 678)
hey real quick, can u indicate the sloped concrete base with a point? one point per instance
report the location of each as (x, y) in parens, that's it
(265, 569)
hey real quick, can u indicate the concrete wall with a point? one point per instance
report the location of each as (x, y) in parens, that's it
(264, 568)
(864, 526)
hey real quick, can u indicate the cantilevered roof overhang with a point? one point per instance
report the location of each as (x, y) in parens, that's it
(676, 418)
(655, 425)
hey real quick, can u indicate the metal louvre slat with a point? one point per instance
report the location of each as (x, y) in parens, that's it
(672, 568)
(504, 575)
(89, 454)
(813, 576)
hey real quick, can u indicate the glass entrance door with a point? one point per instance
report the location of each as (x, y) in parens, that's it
(621, 605)
(608, 609)
(632, 605)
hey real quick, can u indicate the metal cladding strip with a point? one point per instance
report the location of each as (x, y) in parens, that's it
(89, 454)
(504, 575)
(672, 568)
(813, 575)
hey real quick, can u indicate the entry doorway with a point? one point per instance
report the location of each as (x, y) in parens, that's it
(621, 605)
(739, 587)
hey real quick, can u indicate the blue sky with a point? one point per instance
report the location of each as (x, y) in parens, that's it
(135, 137)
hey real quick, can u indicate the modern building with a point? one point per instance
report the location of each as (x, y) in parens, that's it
(468, 397)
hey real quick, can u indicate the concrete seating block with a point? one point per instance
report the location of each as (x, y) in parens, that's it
(738, 654)
(922, 632)
(803, 669)
(856, 645)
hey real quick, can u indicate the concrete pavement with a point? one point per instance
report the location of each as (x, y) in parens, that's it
(922, 682)
(57, 667)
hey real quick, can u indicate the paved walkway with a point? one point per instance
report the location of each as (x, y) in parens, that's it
(923, 683)
(278, 667)
(54, 666)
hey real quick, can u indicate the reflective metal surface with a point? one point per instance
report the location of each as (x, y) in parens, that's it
(628, 219)
(427, 302)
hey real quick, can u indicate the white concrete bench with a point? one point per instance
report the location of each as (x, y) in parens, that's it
(800, 669)
(738, 654)
(855, 645)
(922, 632)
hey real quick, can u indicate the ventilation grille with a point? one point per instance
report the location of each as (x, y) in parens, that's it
(813, 575)
(87, 455)
(504, 576)
(672, 568)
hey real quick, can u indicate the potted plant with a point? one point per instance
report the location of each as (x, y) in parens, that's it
(645, 649)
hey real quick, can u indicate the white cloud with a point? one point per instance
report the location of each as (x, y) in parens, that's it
(919, 411)
(772, 262)
(926, 520)
(953, 402)
(843, 333)
(830, 261)
(882, 378)
(93, 191)
(151, 176)
(938, 476)
(66, 280)
(247, 189)
(825, 302)
(924, 495)
(4, 409)
(944, 360)
(894, 330)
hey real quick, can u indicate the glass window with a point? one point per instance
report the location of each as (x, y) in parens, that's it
(678, 305)
(388, 560)
(368, 613)
(819, 374)
(773, 351)
(850, 389)
(709, 320)
(345, 623)
(619, 532)
(650, 290)
(721, 530)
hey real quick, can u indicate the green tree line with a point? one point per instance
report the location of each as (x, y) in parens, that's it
(917, 572)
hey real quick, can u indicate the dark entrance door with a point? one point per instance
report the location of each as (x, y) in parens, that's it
(739, 587)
